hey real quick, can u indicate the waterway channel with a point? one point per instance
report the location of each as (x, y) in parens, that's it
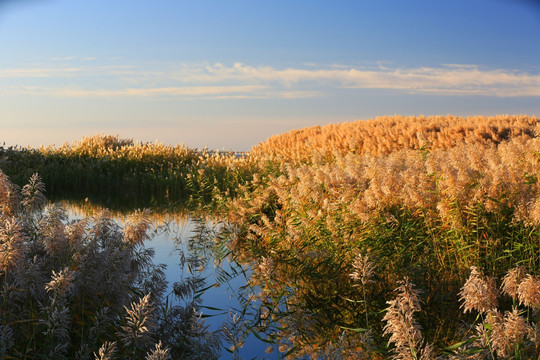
(192, 247)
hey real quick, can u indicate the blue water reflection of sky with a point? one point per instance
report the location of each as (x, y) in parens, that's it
(171, 238)
(172, 243)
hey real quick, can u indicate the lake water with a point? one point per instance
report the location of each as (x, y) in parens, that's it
(186, 246)
(296, 300)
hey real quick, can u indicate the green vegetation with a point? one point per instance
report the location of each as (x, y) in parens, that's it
(333, 219)
(114, 171)
(85, 288)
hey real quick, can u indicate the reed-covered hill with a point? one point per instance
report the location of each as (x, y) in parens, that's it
(384, 135)
(422, 200)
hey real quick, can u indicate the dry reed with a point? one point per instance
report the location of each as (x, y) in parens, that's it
(69, 288)
(384, 135)
(426, 197)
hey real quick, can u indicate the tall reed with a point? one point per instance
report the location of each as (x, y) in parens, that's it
(87, 288)
(112, 170)
(425, 198)
(387, 134)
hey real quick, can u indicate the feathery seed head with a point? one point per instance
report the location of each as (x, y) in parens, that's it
(479, 292)
(266, 267)
(363, 269)
(106, 351)
(137, 225)
(61, 282)
(75, 232)
(159, 353)
(506, 332)
(139, 322)
(9, 195)
(57, 322)
(512, 280)
(33, 198)
(11, 243)
(53, 231)
(529, 291)
(404, 330)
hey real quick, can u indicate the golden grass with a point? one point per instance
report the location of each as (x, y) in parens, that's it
(427, 198)
(424, 197)
(384, 135)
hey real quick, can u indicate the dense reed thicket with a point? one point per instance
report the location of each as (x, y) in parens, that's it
(384, 135)
(333, 219)
(425, 198)
(86, 289)
(112, 170)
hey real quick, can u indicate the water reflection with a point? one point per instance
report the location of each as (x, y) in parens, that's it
(200, 271)
(259, 306)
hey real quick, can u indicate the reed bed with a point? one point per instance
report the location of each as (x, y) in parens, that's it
(112, 170)
(387, 134)
(426, 198)
(333, 219)
(87, 289)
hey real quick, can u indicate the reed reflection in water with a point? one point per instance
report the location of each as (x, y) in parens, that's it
(194, 250)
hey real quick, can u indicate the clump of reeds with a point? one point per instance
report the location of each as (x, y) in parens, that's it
(404, 331)
(513, 334)
(479, 292)
(427, 197)
(74, 289)
(137, 173)
(363, 274)
(387, 134)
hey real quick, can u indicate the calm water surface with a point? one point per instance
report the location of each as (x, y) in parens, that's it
(187, 247)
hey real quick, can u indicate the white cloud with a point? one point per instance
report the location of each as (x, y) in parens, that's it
(38, 72)
(185, 91)
(65, 58)
(450, 79)
(245, 81)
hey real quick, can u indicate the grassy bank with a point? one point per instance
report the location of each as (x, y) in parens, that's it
(114, 171)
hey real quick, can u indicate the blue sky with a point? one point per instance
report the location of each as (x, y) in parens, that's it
(229, 74)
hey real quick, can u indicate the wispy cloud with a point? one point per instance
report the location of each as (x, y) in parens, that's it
(185, 91)
(246, 81)
(39, 72)
(453, 79)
